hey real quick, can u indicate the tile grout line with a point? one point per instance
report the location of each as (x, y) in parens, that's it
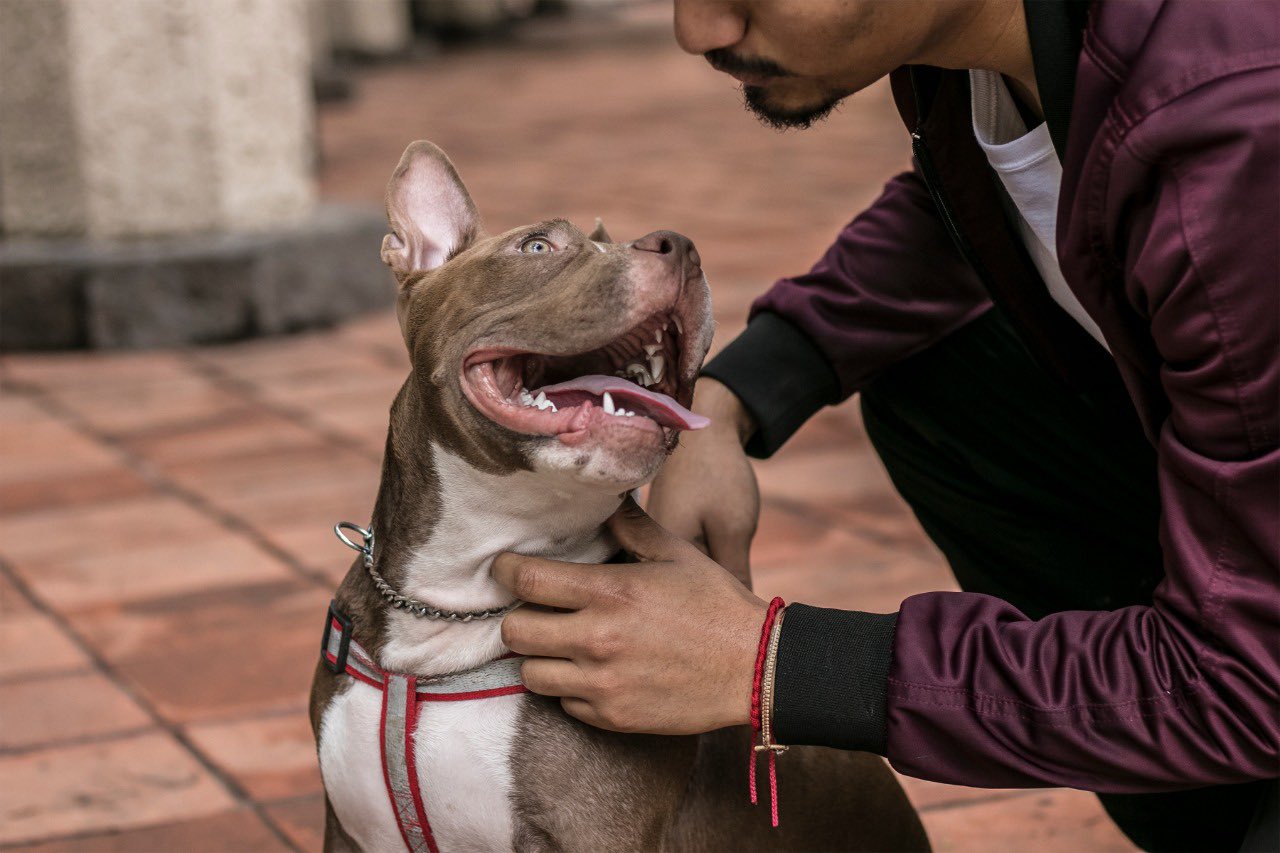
(233, 787)
(224, 519)
(953, 805)
(229, 382)
(45, 675)
(81, 740)
(816, 514)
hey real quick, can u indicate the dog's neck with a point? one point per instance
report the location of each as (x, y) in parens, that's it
(440, 521)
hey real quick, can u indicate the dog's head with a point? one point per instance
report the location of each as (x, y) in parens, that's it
(543, 348)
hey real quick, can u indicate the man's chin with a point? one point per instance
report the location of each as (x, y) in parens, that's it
(786, 116)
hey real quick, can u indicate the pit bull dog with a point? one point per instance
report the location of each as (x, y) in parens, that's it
(551, 371)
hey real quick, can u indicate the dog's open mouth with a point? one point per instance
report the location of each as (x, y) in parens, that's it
(635, 382)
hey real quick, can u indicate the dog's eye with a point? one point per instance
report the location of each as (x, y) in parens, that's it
(536, 246)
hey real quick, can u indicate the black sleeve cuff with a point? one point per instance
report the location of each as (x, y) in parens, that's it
(779, 375)
(833, 677)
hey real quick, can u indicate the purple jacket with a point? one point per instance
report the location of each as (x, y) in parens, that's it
(1169, 235)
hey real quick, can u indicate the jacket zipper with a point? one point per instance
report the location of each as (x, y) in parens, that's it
(930, 175)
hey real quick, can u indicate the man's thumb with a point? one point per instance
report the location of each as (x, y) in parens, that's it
(639, 534)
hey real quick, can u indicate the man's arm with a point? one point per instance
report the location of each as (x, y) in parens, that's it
(891, 285)
(1181, 693)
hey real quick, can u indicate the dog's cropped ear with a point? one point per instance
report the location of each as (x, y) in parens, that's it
(432, 217)
(599, 234)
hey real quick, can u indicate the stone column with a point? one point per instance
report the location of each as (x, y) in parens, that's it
(156, 181)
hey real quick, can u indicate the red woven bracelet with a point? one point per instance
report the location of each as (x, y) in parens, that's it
(765, 744)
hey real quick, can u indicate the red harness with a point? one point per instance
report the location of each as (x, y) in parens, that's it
(399, 719)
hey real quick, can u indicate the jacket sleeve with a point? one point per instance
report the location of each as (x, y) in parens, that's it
(1184, 692)
(892, 284)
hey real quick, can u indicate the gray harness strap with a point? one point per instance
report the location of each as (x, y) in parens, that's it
(401, 696)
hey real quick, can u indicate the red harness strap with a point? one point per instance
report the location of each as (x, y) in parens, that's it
(401, 695)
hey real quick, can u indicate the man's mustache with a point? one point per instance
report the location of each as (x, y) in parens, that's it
(722, 60)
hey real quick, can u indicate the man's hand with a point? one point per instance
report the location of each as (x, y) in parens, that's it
(706, 492)
(666, 645)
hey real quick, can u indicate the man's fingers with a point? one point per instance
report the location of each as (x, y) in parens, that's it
(553, 677)
(639, 534)
(582, 710)
(549, 582)
(528, 631)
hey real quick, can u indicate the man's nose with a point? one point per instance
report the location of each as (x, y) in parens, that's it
(675, 248)
(703, 25)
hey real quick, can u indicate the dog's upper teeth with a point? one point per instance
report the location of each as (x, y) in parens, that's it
(608, 403)
(657, 335)
(679, 328)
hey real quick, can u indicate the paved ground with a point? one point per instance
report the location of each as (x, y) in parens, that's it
(165, 557)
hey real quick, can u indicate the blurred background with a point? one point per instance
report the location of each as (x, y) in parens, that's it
(199, 358)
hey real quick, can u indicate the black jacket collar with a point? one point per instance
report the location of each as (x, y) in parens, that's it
(1056, 31)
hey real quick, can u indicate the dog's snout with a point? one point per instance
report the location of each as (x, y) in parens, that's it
(678, 247)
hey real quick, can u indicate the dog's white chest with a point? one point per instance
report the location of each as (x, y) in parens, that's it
(462, 753)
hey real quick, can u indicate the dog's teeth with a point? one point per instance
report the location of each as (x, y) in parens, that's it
(608, 403)
(657, 364)
(650, 349)
(541, 398)
(657, 336)
(679, 328)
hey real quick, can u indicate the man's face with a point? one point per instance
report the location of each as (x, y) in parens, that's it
(797, 59)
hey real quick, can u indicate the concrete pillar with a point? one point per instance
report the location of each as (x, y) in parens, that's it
(127, 118)
(156, 160)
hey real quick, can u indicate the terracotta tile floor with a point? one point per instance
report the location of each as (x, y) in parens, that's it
(165, 553)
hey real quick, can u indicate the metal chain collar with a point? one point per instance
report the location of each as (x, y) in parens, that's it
(403, 602)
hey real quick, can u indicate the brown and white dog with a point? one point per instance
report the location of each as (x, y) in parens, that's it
(503, 439)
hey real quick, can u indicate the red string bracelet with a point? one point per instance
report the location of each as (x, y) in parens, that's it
(759, 730)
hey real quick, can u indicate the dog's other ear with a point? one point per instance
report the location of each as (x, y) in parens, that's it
(432, 217)
(599, 234)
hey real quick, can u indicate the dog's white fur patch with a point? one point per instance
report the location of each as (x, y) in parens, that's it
(462, 751)
(463, 748)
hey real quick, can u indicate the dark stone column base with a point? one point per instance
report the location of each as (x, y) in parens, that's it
(201, 288)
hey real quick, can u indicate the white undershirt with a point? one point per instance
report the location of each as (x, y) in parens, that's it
(1029, 169)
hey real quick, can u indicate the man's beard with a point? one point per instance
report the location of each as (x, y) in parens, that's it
(782, 118)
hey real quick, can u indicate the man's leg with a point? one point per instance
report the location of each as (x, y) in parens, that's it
(1045, 499)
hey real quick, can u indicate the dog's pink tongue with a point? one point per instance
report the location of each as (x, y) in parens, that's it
(660, 407)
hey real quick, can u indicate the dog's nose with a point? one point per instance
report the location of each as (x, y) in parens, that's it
(677, 246)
